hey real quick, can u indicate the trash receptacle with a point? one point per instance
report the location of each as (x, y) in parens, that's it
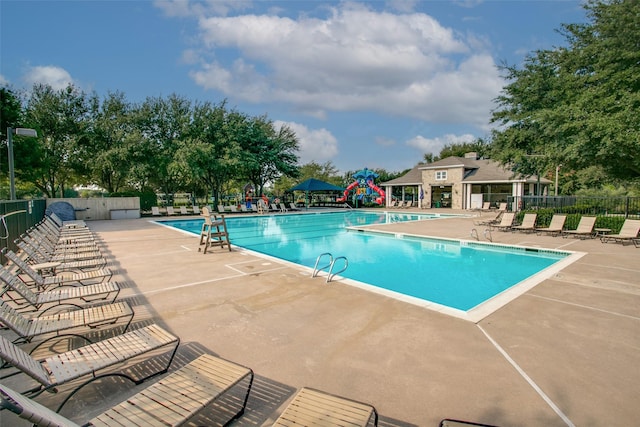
(437, 204)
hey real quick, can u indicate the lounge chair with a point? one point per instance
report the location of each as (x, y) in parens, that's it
(37, 300)
(27, 328)
(232, 208)
(486, 206)
(172, 400)
(275, 208)
(40, 261)
(183, 210)
(64, 278)
(155, 211)
(221, 209)
(49, 252)
(506, 222)
(283, 207)
(528, 223)
(502, 206)
(555, 226)
(88, 360)
(196, 209)
(628, 233)
(490, 221)
(293, 207)
(311, 407)
(171, 211)
(584, 230)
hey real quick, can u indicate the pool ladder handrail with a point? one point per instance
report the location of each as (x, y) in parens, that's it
(330, 266)
(487, 234)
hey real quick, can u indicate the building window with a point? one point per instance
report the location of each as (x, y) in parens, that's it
(441, 175)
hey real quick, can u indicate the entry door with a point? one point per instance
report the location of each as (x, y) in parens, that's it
(441, 196)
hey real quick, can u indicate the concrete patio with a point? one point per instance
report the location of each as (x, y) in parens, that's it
(567, 352)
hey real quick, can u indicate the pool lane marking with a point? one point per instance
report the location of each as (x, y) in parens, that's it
(528, 379)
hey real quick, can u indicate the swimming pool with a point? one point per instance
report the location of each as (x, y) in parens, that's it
(450, 273)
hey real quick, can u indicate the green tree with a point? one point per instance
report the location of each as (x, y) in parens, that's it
(577, 105)
(109, 148)
(162, 123)
(210, 155)
(61, 118)
(10, 116)
(267, 153)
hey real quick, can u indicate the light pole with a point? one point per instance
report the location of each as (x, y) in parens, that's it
(557, 171)
(10, 132)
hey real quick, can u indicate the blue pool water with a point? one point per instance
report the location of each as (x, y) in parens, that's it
(457, 274)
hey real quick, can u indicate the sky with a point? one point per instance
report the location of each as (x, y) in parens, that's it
(364, 84)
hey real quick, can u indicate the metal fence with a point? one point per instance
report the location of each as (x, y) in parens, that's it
(16, 217)
(627, 207)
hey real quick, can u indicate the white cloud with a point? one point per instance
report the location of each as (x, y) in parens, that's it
(317, 145)
(354, 59)
(56, 77)
(3, 81)
(435, 145)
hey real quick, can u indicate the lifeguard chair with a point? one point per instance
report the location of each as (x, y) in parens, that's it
(214, 231)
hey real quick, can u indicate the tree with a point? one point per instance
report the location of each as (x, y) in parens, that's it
(210, 154)
(108, 150)
(10, 116)
(61, 118)
(163, 124)
(577, 105)
(267, 153)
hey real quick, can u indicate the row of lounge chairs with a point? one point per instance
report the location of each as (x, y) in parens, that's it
(172, 400)
(171, 211)
(586, 227)
(260, 207)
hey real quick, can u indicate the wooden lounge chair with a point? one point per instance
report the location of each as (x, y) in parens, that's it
(172, 400)
(528, 223)
(506, 222)
(89, 360)
(584, 230)
(27, 328)
(37, 300)
(555, 226)
(63, 278)
(311, 407)
(628, 233)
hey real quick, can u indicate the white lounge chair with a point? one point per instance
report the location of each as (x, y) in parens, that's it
(584, 230)
(172, 400)
(628, 233)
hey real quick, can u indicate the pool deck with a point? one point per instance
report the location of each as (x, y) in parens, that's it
(566, 352)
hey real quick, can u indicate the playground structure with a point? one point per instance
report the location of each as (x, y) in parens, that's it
(364, 184)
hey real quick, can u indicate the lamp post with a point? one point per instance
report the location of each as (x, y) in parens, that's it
(557, 171)
(10, 132)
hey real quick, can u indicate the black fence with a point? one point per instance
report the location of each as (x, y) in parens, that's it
(16, 217)
(610, 211)
(627, 207)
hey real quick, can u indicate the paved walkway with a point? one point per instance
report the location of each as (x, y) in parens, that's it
(567, 352)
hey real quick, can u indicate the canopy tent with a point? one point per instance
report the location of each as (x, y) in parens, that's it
(313, 184)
